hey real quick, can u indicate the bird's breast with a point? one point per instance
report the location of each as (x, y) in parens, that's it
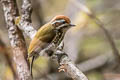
(58, 38)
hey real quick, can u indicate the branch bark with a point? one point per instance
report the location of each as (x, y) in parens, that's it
(16, 40)
(67, 66)
(25, 22)
(65, 63)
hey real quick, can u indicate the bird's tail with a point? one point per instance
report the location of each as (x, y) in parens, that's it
(31, 60)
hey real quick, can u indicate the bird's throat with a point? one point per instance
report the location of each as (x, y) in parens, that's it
(58, 38)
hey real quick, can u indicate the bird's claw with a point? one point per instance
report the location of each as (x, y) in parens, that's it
(62, 68)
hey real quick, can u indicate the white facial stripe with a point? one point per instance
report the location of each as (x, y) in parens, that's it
(59, 27)
(59, 21)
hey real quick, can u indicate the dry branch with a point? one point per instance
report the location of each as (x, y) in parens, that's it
(16, 40)
(67, 66)
(25, 22)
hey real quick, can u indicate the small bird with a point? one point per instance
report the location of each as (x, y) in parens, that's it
(52, 32)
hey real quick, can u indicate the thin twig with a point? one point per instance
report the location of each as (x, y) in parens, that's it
(109, 37)
(101, 25)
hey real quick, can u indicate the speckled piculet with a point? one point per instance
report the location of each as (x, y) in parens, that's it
(53, 30)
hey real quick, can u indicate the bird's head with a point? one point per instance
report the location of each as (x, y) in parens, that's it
(61, 22)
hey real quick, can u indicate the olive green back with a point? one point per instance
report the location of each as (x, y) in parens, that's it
(44, 35)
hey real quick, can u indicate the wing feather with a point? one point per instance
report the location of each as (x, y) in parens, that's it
(42, 38)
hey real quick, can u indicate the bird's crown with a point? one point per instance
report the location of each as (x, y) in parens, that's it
(61, 17)
(61, 22)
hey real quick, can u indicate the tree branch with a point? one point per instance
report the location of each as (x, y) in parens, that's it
(16, 40)
(65, 63)
(67, 66)
(25, 21)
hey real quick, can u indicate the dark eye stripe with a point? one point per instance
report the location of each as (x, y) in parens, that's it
(64, 22)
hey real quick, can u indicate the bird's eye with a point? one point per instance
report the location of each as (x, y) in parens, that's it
(63, 22)
(57, 24)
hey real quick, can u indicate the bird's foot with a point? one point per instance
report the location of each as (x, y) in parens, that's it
(62, 68)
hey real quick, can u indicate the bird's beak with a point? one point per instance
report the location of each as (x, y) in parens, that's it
(72, 25)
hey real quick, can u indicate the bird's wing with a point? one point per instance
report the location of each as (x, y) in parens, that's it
(41, 39)
(34, 43)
